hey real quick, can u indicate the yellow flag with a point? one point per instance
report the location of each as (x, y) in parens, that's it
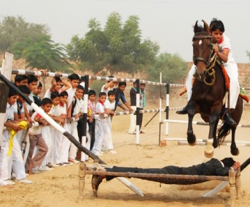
(23, 125)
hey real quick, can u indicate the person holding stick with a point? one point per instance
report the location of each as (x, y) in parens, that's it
(10, 154)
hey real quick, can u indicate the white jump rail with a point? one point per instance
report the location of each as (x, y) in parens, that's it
(204, 143)
(197, 122)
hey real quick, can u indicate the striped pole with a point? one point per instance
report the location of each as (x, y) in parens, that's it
(37, 73)
(63, 131)
(95, 116)
(85, 111)
(167, 108)
(160, 106)
(52, 74)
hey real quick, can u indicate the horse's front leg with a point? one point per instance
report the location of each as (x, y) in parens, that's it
(212, 142)
(190, 134)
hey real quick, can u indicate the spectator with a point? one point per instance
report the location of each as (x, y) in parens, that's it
(91, 112)
(109, 107)
(120, 99)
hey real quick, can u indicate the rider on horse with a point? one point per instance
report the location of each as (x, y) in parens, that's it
(223, 49)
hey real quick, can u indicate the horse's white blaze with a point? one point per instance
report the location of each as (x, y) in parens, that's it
(200, 42)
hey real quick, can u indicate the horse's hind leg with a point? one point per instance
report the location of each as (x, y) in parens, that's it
(190, 134)
(215, 142)
(234, 149)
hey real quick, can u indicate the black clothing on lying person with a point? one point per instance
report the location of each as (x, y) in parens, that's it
(211, 167)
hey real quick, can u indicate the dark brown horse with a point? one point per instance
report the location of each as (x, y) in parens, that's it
(208, 93)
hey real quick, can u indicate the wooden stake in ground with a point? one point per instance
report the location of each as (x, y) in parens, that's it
(4, 92)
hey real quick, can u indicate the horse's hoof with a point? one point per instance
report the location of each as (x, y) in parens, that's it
(209, 150)
(191, 139)
(215, 144)
(235, 151)
(209, 154)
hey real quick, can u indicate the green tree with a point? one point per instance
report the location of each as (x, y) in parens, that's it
(15, 29)
(173, 68)
(248, 54)
(117, 47)
(41, 52)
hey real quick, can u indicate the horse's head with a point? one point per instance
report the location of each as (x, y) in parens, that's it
(202, 49)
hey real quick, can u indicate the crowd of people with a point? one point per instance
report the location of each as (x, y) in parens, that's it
(30, 145)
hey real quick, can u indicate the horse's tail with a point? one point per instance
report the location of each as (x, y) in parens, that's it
(223, 132)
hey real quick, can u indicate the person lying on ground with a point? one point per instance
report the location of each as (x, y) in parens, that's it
(211, 167)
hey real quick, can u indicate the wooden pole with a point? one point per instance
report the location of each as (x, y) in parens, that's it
(173, 178)
(82, 174)
(238, 184)
(232, 186)
(4, 92)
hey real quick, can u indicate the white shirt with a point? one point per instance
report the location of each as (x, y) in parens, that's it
(55, 110)
(109, 105)
(9, 115)
(106, 91)
(10, 110)
(99, 109)
(78, 107)
(71, 93)
(36, 127)
(21, 110)
(226, 44)
(63, 109)
(29, 107)
(48, 93)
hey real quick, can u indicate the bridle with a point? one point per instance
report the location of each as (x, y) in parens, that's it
(210, 63)
(201, 36)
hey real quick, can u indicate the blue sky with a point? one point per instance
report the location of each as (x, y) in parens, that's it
(167, 22)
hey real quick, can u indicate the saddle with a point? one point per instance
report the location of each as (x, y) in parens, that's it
(224, 72)
(227, 83)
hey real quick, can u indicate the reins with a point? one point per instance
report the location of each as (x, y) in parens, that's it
(210, 71)
(210, 63)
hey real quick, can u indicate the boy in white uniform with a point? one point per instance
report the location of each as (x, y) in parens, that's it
(109, 86)
(36, 139)
(59, 85)
(109, 106)
(65, 143)
(76, 111)
(8, 153)
(71, 125)
(223, 49)
(99, 125)
(22, 113)
(32, 84)
(56, 114)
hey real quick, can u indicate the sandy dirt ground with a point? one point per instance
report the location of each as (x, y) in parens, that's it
(60, 186)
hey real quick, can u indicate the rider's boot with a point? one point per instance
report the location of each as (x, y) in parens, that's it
(184, 110)
(228, 119)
